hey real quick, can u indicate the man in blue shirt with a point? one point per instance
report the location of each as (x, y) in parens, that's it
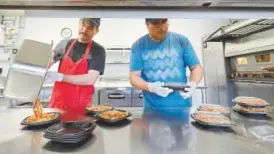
(162, 57)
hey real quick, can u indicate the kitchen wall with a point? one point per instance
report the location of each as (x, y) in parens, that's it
(120, 32)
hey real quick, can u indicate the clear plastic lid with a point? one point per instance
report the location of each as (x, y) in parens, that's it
(264, 131)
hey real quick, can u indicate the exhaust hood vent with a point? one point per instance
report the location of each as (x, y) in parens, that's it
(241, 29)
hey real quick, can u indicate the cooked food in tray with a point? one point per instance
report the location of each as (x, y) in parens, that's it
(113, 115)
(252, 109)
(39, 116)
(249, 109)
(213, 108)
(212, 119)
(268, 68)
(44, 117)
(252, 101)
(95, 108)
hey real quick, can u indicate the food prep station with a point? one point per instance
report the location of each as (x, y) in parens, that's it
(136, 137)
(238, 73)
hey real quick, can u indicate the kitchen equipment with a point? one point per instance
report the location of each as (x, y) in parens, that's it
(116, 97)
(28, 71)
(137, 98)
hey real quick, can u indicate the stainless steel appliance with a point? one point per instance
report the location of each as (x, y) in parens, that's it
(237, 53)
(137, 98)
(27, 71)
(116, 97)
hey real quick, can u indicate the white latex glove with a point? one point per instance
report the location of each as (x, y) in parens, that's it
(188, 91)
(54, 76)
(54, 67)
(157, 88)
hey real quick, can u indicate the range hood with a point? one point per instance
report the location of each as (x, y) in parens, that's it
(242, 3)
(133, 3)
(240, 29)
(103, 3)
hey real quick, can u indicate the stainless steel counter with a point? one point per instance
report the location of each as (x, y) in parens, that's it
(143, 134)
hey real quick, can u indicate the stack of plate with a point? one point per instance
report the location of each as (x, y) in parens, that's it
(70, 132)
(250, 105)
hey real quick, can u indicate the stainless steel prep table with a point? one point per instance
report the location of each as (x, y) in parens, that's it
(166, 136)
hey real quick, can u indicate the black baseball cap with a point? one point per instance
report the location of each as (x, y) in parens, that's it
(155, 20)
(95, 21)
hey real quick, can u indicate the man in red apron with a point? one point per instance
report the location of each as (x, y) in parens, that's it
(81, 62)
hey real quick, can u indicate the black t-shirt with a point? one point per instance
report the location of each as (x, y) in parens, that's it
(96, 58)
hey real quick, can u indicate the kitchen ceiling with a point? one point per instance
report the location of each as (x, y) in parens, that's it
(136, 3)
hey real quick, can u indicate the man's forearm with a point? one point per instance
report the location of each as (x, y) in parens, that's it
(138, 83)
(196, 74)
(85, 79)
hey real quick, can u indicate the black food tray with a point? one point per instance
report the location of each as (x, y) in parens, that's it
(214, 105)
(251, 105)
(235, 108)
(213, 124)
(61, 140)
(176, 86)
(95, 112)
(115, 120)
(70, 129)
(57, 118)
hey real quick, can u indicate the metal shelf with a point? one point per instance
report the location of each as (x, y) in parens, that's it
(241, 29)
(253, 80)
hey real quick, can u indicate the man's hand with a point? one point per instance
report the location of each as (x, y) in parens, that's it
(158, 89)
(188, 91)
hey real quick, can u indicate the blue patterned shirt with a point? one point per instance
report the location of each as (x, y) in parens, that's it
(164, 61)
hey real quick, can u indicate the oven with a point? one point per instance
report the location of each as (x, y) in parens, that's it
(116, 97)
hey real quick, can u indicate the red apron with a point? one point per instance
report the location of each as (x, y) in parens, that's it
(70, 97)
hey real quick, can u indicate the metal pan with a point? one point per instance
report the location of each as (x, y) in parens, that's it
(176, 86)
(96, 112)
(212, 124)
(56, 119)
(251, 105)
(214, 105)
(113, 120)
(237, 109)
